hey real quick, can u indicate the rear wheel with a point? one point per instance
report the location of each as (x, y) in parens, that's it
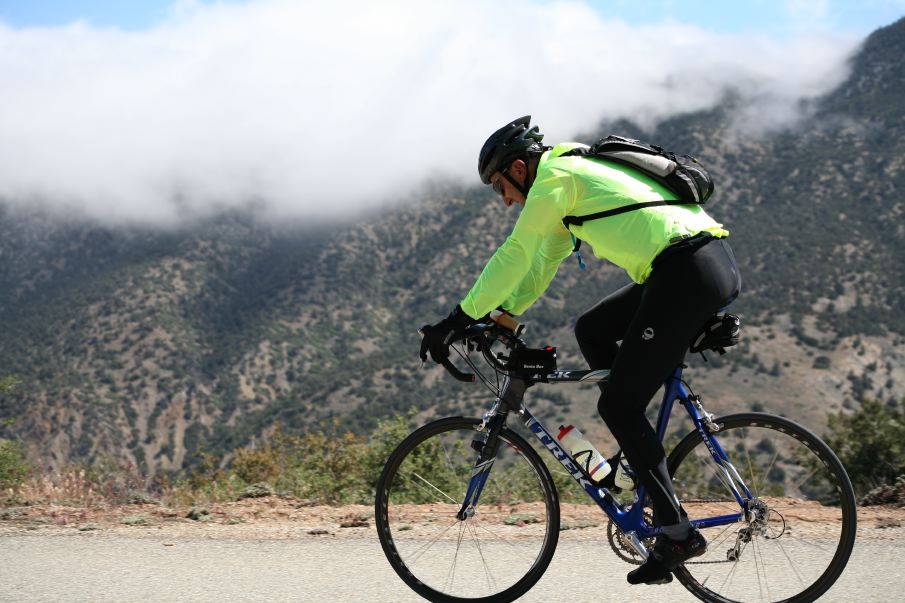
(801, 530)
(500, 550)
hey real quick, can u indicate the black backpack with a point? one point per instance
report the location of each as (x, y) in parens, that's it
(682, 174)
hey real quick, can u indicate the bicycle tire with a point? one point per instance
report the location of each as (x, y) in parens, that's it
(517, 451)
(844, 514)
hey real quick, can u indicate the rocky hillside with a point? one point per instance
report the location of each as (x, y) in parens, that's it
(157, 346)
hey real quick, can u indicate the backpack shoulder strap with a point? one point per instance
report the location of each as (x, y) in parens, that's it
(579, 220)
(682, 175)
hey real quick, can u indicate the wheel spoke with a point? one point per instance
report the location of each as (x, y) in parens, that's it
(758, 566)
(522, 553)
(477, 542)
(719, 471)
(418, 527)
(770, 466)
(707, 466)
(450, 498)
(806, 479)
(726, 537)
(754, 480)
(449, 461)
(419, 552)
(817, 546)
(792, 564)
(787, 469)
(451, 576)
(730, 575)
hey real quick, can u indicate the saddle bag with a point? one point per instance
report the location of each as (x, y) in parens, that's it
(719, 333)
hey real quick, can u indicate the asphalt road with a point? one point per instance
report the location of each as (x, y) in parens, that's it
(148, 567)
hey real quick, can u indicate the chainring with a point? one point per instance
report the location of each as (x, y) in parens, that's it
(620, 545)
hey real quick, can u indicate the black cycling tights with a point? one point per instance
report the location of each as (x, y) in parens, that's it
(656, 322)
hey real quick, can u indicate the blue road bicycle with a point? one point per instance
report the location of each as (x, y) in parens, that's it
(467, 511)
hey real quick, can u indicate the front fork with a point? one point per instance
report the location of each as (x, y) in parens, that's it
(486, 442)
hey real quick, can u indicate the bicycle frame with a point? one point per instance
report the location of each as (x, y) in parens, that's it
(630, 520)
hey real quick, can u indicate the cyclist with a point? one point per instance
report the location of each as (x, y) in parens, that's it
(682, 268)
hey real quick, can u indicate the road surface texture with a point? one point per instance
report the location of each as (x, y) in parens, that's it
(156, 563)
(285, 549)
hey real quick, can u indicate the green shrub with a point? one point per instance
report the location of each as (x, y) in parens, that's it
(870, 443)
(14, 467)
(254, 465)
(388, 435)
(822, 362)
(9, 383)
(206, 482)
(115, 480)
(328, 468)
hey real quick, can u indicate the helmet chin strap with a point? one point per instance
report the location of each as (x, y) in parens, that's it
(522, 188)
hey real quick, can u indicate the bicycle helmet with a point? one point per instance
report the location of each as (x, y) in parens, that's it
(513, 141)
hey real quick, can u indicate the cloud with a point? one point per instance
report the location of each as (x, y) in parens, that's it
(328, 108)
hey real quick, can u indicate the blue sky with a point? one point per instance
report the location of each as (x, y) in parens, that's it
(131, 14)
(779, 18)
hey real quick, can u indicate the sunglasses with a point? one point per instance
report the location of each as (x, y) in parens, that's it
(497, 185)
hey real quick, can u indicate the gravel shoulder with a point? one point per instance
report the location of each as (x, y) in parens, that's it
(279, 549)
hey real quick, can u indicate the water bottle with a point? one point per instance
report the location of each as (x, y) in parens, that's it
(583, 452)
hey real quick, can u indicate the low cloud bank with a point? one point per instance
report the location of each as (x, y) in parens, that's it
(329, 108)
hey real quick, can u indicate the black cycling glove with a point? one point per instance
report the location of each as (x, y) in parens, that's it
(436, 338)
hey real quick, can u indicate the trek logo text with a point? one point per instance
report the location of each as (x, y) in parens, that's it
(559, 453)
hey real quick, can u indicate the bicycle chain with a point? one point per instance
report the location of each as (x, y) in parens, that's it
(709, 500)
(621, 547)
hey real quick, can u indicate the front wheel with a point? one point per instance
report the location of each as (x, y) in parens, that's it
(800, 531)
(502, 546)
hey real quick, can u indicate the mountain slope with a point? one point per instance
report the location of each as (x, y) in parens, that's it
(157, 346)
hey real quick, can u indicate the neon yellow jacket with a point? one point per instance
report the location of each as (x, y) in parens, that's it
(522, 268)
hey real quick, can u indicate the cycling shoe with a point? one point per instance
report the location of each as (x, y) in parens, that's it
(667, 555)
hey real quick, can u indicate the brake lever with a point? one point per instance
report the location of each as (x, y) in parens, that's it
(449, 366)
(421, 353)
